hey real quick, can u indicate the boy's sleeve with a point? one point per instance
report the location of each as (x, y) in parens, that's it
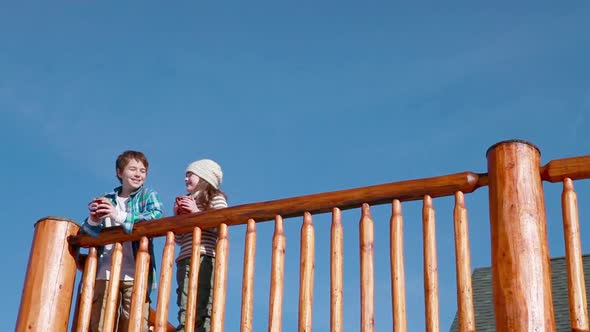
(91, 230)
(152, 210)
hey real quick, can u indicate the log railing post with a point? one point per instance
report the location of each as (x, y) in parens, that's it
(520, 253)
(49, 284)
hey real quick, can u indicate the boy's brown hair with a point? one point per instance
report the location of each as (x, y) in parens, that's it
(124, 158)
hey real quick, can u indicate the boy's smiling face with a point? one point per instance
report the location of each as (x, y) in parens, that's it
(132, 176)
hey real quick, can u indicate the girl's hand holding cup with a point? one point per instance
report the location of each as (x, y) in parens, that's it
(185, 204)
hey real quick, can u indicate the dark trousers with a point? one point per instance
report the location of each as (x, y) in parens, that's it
(204, 293)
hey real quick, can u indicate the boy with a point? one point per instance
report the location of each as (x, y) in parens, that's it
(130, 203)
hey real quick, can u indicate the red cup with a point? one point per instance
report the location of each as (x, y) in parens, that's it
(180, 210)
(101, 200)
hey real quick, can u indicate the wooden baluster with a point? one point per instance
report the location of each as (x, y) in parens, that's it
(140, 285)
(112, 305)
(76, 304)
(463, 266)
(521, 270)
(152, 320)
(88, 280)
(306, 271)
(193, 282)
(51, 275)
(220, 280)
(277, 279)
(366, 237)
(398, 275)
(430, 266)
(161, 323)
(573, 253)
(336, 267)
(248, 278)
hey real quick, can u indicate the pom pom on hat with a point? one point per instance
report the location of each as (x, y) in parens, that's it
(207, 170)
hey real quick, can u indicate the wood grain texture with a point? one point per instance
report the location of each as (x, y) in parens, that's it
(248, 278)
(112, 305)
(430, 266)
(367, 252)
(165, 284)
(291, 207)
(87, 291)
(306, 273)
(277, 277)
(193, 282)
(220, 280)
(465, 309)
(49, 283)
(398, 275)
(575, 168)
(573, 255)
(336, 271)
(520, 254)
(152, 321)
(140, 285)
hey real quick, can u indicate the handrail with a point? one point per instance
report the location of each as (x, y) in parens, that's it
(445, 185)
(518, 238)
(575, 168)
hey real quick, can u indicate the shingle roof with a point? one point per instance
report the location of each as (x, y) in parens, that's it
(483, 298)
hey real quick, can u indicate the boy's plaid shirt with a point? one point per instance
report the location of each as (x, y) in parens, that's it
(143, 204)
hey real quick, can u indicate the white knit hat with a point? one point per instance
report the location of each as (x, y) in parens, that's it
(207, 170)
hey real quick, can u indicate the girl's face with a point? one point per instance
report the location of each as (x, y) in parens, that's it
(191, 180)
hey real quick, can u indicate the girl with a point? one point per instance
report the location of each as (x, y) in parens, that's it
(202, 179)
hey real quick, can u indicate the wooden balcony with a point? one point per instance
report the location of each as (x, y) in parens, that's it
(519, 252)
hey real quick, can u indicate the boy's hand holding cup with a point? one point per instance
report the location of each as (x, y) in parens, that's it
(99, 208)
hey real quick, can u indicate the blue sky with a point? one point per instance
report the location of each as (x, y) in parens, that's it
(290, 99)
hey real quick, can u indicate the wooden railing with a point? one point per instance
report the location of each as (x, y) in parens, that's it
(518, 236)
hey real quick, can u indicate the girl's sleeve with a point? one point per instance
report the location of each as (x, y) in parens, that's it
(179, 238)
(218, 202)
